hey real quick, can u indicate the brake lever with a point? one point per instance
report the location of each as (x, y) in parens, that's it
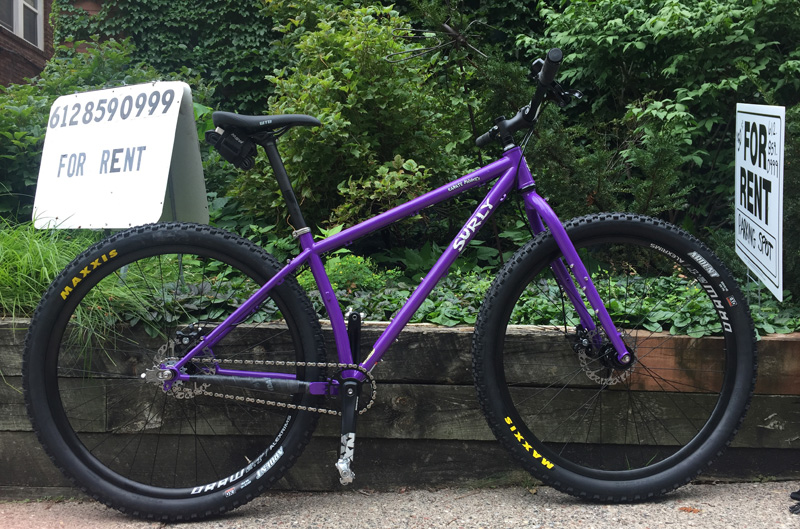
(563, 97)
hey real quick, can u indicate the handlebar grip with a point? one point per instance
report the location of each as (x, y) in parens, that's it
(485, 139)
(550, 67)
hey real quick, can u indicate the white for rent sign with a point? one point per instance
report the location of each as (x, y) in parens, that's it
(121, 157)
(759, 192)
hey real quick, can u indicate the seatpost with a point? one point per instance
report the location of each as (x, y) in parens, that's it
(271, 148)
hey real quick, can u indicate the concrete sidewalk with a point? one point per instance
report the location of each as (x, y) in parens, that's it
(719, 506)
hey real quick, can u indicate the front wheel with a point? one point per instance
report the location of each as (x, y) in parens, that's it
(140, 300)
(581, 422)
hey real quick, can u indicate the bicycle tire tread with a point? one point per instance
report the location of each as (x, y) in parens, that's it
(497, 423)
(172, 514)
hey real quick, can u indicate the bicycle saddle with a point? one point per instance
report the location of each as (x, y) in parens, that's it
(255, 124)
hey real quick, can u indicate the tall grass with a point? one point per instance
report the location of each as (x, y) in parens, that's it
(29, 261)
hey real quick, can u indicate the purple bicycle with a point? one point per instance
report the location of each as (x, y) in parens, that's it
(176, 371)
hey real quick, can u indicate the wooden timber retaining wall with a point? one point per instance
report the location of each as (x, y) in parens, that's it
(426, 429)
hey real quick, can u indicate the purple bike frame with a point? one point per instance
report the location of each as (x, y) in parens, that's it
(511, 171)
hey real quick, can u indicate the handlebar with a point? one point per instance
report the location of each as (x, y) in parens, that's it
(544, 71)
(552, 62)
(485, 139)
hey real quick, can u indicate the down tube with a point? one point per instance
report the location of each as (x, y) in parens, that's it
(486, 208)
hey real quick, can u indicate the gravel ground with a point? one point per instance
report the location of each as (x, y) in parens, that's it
(720, 506)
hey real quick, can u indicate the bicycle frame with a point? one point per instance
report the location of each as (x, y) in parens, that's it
(511, 171)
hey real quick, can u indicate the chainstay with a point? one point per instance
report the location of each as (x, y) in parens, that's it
(282, 363)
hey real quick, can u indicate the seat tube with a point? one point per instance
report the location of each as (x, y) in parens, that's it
(333, 309)
(303, 233)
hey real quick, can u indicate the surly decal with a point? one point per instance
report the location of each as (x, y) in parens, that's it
(528, 448)
(88, 269)
(472, 225)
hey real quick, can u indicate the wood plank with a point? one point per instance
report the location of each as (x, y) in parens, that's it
(13, 416)
(12, 342)
(779, 365)
(433, 354)
(404, 411)
(25, 463)
(450, 412)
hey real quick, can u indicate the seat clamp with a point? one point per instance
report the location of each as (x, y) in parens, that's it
(301, 231)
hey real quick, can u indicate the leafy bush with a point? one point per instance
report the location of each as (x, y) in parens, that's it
(363, 288)
(371, 110)
(676, 69)
(32, 258)
(350, 273)
(378, 294)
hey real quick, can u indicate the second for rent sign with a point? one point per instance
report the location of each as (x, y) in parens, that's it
(759, 192)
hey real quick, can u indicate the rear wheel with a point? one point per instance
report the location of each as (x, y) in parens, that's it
(139, 300)
(553, 393)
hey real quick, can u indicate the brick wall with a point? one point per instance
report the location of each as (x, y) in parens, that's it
(19, 58)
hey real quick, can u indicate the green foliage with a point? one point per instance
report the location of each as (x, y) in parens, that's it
(31, 259)
(455, 300)
(791, 202)
(678, 68)
(394, 183)
(661, 79)
(225, 212)
(415, 262)
(362, 287)
(626, 165)
(371, 110)
(226, 42)
(664, 304)
(351, 273)
(770, 316)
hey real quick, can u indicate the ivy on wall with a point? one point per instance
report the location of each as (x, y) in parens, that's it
(225, 42)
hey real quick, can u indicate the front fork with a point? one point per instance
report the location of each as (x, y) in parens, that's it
(572, 275)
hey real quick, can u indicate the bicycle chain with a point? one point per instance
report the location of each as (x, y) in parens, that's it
(280, 363)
